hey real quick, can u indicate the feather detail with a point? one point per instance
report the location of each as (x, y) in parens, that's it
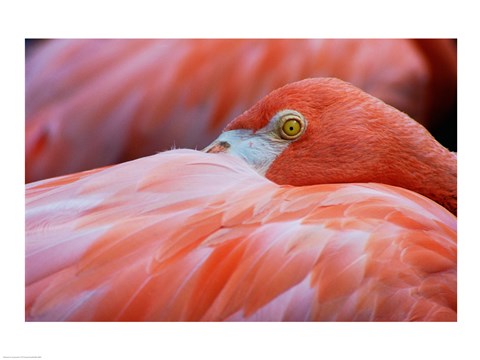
(185, 235)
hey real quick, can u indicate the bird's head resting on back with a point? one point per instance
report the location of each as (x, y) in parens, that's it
(323, 130)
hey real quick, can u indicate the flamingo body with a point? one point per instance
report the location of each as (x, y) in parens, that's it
(185, 235)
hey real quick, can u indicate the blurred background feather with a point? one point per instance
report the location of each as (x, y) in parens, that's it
(96, 102)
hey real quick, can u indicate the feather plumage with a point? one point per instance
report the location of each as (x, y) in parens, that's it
(185, 235)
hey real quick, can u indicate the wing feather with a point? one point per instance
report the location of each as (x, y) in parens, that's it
(185, 235)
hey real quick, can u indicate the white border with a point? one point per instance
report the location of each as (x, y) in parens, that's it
(234, 19)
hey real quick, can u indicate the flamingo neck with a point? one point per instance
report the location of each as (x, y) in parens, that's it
(418, 163)
(434, 177)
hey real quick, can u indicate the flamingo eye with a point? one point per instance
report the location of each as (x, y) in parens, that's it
(291, 125)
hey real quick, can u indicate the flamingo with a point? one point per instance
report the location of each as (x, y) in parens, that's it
(156, 94)
(319, 203)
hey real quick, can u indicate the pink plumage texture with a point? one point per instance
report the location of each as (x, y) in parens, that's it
(187, 236)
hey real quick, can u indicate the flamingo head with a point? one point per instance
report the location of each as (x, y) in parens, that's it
(324, 130)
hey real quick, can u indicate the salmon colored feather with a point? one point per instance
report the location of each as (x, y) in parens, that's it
(157, 94)
(189, 236)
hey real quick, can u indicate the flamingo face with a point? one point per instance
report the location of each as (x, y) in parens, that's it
(260, 148)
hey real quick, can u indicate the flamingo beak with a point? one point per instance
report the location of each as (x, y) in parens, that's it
(259, 150)
(217, 147)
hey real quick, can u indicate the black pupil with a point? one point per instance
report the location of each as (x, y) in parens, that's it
(291, 128)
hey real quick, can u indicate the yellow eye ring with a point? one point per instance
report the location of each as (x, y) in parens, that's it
(291, 124)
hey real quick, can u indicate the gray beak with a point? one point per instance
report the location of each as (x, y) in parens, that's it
(217, 147)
